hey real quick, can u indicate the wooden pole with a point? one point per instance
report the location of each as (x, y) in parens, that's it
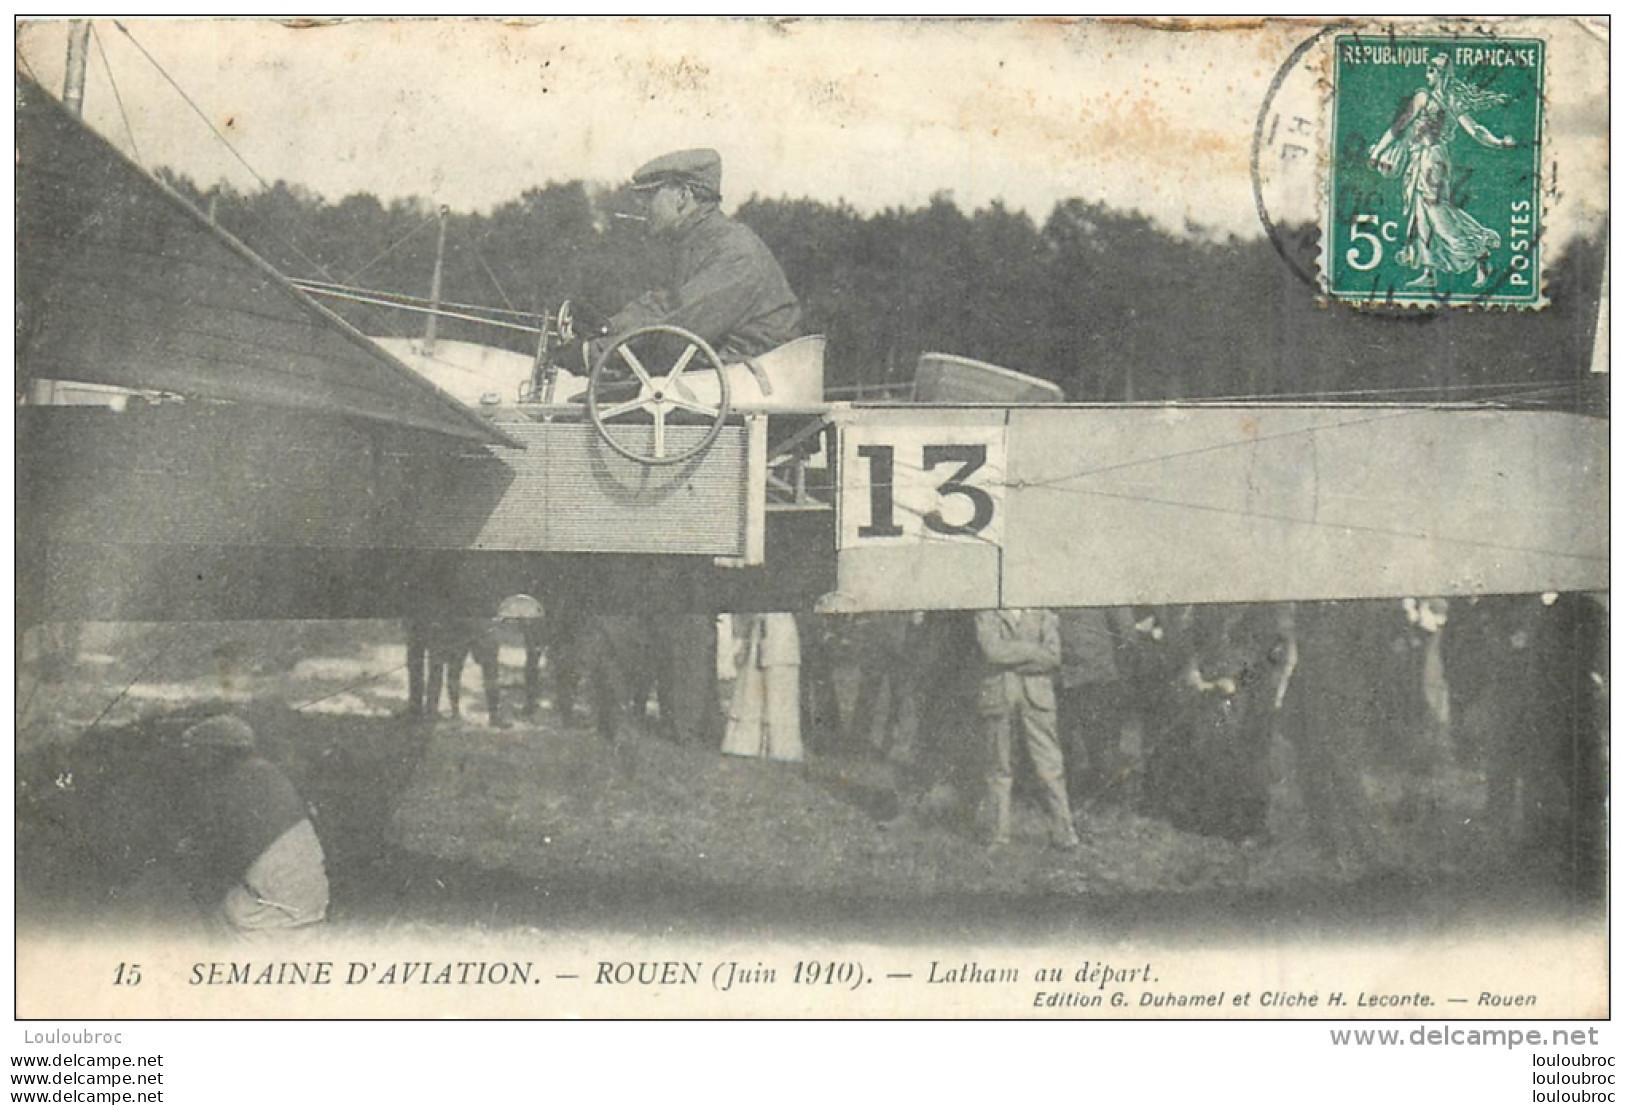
(73, 83)
(434, 287)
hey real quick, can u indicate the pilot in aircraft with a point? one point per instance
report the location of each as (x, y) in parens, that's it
(725, 286)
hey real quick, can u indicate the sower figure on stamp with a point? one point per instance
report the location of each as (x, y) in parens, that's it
(1416, 147)
(1021, 650)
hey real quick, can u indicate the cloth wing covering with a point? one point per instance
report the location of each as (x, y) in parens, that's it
(120, 281)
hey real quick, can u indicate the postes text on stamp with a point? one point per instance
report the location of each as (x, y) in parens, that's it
(1433, 193)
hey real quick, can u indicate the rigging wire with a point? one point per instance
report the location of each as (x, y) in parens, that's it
(1507, 390)
(23, 61)
(480, 257)
(397, 243)
(174, 637)
(21, 712)
(1245, 443)
(348, 297)
(274, 231)
(413, 300)
(135, 150)
(224, 141)
(264, 184)
(201, 114)
(263, 220)
(1345, 527)
(404, 302)
(1311, 523)
(1054, 484)
(1365, 393)
(1497, 393)
(338, 290)
(1385, 415)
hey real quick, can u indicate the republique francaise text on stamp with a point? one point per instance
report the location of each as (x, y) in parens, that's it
(1433, 193)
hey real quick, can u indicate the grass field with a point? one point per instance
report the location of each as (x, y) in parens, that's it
(461, 827)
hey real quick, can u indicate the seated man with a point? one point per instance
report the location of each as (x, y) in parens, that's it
(724, 284)
(252, 851)
(726, 287)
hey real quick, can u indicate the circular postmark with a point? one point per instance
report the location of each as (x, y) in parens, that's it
(1420, 154)
(1284, 154)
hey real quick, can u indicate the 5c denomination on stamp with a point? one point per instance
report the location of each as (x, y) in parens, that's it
(1433, 190)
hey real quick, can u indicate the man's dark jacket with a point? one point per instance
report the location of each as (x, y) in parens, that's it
(725, 286)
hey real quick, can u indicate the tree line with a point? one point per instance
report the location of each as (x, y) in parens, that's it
(1104, 302)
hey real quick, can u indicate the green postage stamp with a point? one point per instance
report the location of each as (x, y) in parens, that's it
(1433, 194)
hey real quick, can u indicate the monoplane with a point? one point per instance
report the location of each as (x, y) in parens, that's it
(200, 437)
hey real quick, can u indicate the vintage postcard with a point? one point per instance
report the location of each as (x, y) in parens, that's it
(814, 518)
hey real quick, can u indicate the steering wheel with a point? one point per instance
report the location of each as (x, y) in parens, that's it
(564, 323)
(660, 396)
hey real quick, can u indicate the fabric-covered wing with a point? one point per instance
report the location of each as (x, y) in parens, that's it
(120, 281)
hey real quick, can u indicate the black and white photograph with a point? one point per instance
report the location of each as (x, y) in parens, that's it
(827, 518)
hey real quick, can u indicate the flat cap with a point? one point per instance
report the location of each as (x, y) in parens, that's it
(702, 168)
(519, 607)
(220, 731)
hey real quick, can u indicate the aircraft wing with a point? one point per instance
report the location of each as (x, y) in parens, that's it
(976, 507)
(120, 281)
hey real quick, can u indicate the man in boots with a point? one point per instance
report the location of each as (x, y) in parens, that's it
(1021, 649)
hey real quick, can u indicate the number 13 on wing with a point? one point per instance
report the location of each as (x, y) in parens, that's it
(935, 480)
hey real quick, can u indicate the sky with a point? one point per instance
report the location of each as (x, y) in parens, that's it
(872, 113)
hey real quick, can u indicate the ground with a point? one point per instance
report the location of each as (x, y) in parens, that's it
(456, 826)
